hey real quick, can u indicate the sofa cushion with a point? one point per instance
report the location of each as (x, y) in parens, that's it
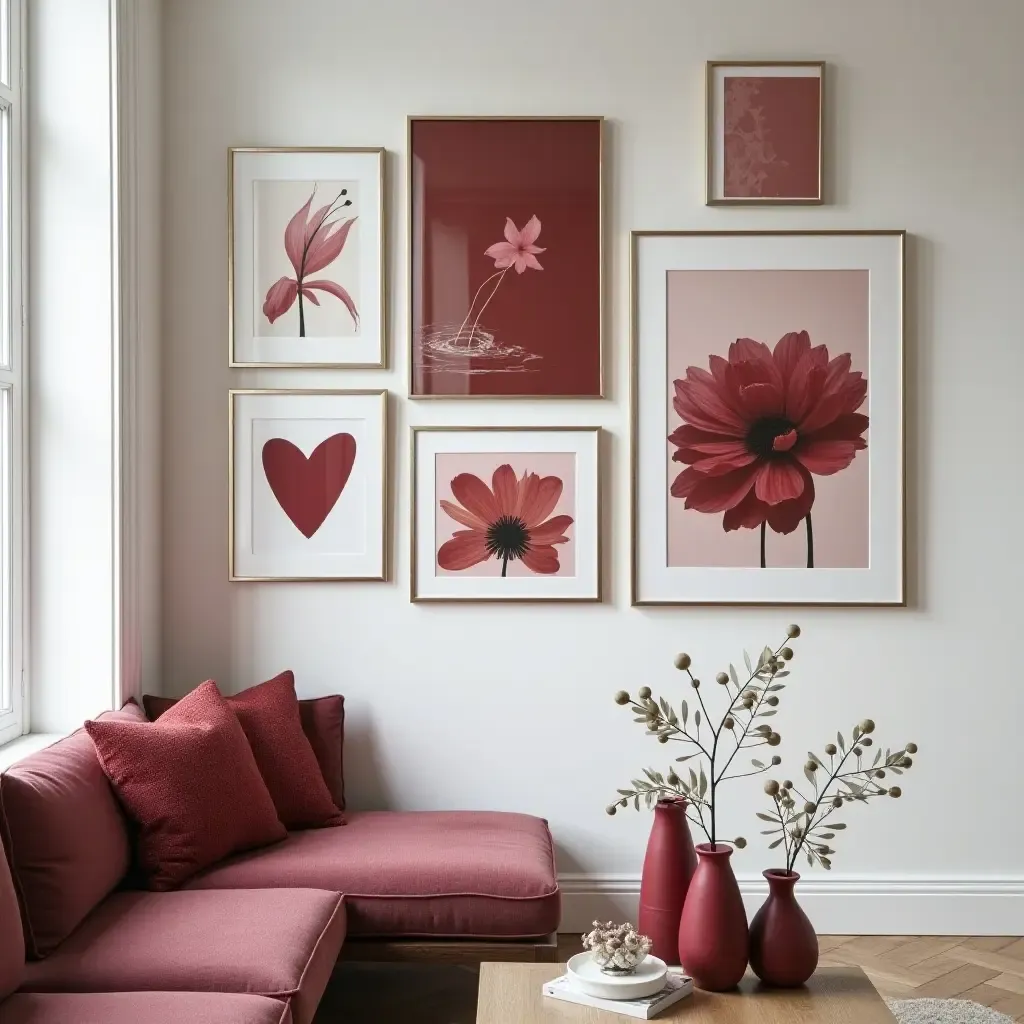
(142, 1008)
(65, 836)
(269, 716)
(191, 783)
(478, 874)
(12, 941)
(281, 943)
(323, 722)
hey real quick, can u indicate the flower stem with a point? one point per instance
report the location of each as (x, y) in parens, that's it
(764, 526)
(302, 316)
(494, 292)
(504, 565)
(810, 543)
(458, 333)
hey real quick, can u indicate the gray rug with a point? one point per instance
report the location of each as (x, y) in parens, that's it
(944, 1011)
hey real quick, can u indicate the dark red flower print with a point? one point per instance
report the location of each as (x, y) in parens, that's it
(760, 424)
(507, 520)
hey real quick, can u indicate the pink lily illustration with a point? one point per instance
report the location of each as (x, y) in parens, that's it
(518, 250)
(311, 243)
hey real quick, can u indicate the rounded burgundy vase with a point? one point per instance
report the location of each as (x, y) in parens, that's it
(713, 928)
(783, 946)
(669, 865)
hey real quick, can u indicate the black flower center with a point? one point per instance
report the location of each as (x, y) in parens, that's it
(761, 436)
(508, 538)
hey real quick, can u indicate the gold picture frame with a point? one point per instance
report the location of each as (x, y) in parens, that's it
(383, 454)
(637, 598)
(381, 209)
(711, 196)
(596, 597)
(600, 120)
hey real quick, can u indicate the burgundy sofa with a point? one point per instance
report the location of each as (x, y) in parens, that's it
(255, 939)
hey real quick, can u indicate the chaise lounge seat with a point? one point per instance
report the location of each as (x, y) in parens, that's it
(418, 874)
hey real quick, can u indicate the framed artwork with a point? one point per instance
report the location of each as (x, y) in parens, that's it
(308, 483)
(306, 257)
(506, 514)
(764, 132)
(768, 440)
(506, 257)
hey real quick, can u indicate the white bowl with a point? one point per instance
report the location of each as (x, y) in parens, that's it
(646, 980)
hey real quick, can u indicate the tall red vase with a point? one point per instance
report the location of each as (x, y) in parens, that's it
(783, 946)
(669, 865)
(713, 928)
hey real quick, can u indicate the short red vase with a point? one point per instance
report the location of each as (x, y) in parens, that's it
(669, 865)
(713, 928)
(783, 946)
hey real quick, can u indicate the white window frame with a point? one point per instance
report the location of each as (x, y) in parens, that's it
(14, 711)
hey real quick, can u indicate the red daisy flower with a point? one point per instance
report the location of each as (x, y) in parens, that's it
(759, 424)
(507, 520)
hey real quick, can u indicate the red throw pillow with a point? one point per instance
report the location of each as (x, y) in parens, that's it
(191, 783)
(322, 722)
(269, 716)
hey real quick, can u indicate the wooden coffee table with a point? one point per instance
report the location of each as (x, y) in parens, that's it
(511, 994)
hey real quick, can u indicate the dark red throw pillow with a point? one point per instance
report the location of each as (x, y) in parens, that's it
(191, 783)
(269, 716)
(323, 724)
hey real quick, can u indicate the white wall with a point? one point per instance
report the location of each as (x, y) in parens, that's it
(510, 707)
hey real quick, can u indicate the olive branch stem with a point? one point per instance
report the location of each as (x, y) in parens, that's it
(747, 702)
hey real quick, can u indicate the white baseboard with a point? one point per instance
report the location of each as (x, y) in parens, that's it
(836, 905)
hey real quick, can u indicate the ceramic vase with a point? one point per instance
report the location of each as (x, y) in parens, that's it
(713, 927)
(783, 946)
(669, 865)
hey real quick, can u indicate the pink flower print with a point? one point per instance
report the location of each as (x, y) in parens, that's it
(518, 249)
(311, 243)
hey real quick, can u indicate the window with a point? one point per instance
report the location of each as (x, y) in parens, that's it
(13, 716)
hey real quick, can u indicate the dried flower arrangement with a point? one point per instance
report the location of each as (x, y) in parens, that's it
(802, 823)
(617, 949)
(740, 728)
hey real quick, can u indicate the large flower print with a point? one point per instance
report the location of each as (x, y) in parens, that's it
(507, 521)
(760, 426)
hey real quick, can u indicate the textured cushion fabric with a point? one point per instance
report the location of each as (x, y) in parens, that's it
(477, 874)
(12, 941)
(64, 834)
(269, 716)
(280, 943)
(190, 783)
(142, 1008)
(323, 722)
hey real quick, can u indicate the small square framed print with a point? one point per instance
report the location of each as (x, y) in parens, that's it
(506, 514)
(306, 257)
(764, 132)
(308, 485)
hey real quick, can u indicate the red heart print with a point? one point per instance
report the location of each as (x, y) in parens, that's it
(307, 489)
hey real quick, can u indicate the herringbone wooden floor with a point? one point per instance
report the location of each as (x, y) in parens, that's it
(986, 970)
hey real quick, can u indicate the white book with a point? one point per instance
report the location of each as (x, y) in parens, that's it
(677, 986)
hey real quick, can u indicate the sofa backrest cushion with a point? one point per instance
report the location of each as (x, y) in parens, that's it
(12, 941)
(190, 783)
(323, 722)
(64, 834)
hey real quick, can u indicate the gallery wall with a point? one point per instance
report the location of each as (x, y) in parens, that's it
(509, 707)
